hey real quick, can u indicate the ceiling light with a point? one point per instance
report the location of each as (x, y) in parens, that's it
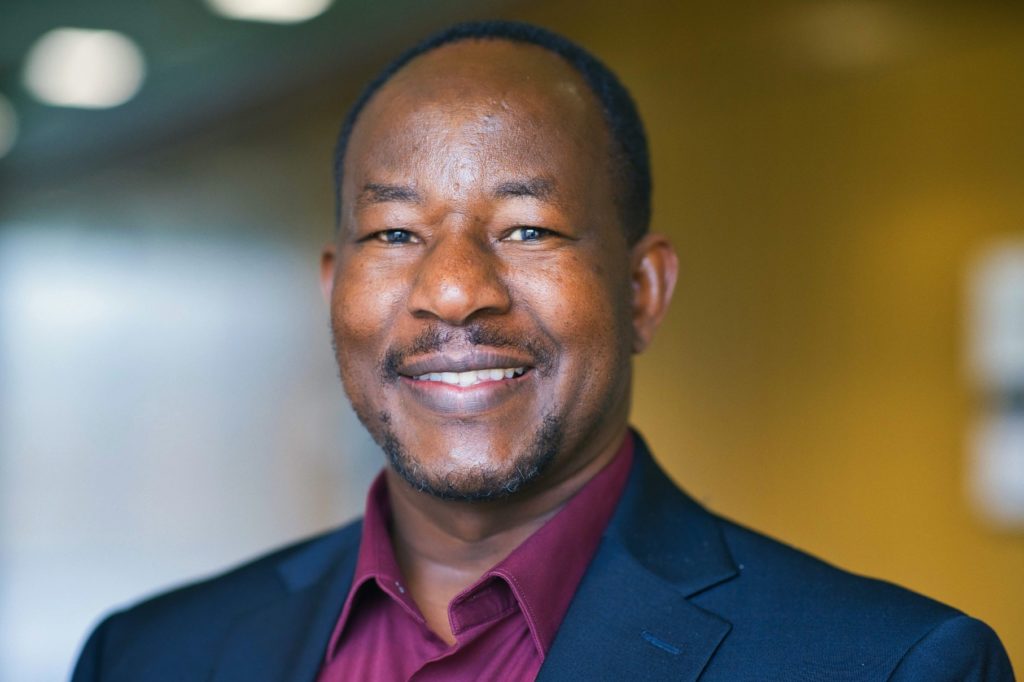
(8, 126)
(272, 11)
(84, 68)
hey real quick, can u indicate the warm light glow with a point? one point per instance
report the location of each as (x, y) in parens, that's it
(84, 68)
(272, 11)
(8, 126)
(850, 33)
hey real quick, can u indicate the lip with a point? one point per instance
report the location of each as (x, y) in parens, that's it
(466, 401)
(463, 361)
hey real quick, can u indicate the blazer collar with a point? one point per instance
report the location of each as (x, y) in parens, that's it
(631, 617)
(666, 531)
(285, 638)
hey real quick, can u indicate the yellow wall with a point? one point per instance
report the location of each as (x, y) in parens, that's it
(826, 198)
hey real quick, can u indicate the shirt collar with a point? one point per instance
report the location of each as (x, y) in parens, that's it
(542, 573)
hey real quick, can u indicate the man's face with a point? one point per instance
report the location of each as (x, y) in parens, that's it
(481, 299)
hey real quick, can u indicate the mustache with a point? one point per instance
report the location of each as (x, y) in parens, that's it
(438, 339)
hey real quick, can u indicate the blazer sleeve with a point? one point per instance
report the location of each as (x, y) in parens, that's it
(959, 649)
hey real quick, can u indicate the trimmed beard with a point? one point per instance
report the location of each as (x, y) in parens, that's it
(475, 485)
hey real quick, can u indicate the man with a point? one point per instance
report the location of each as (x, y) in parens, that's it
(490, 278)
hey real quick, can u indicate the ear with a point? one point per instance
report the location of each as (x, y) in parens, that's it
(328, 260)
(655, 267)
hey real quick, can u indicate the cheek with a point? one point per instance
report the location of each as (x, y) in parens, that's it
(363, 306)
(582, 306)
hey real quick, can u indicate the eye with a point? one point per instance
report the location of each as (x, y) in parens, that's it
(528, 234)
(394, 236)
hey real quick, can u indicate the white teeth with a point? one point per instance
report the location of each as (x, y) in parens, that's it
(472, 377)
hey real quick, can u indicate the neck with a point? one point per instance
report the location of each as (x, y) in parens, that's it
(444, 546)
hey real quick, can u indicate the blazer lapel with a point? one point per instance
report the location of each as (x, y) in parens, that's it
(286, 638)
(606, 636)
(631, 617)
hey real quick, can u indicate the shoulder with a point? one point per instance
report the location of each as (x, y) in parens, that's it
(238, 589)
(192, 619)
(791, 615)
(781, 574)
(807, 615)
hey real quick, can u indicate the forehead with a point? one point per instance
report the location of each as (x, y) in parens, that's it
(494, 104)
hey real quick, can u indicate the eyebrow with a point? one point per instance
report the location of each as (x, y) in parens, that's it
(380, 193)
(539, 188)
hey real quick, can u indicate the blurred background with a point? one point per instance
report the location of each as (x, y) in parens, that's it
(843, 366)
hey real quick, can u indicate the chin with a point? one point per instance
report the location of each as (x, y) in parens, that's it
(474, 482)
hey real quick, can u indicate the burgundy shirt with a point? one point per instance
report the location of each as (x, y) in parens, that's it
(503, 624)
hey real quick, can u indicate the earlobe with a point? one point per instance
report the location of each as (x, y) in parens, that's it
(328, 259)
(655, 268)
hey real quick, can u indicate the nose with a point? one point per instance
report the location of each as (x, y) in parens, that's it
(459, 277)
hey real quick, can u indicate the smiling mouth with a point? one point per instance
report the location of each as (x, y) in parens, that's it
(467, 382)
(469, 393)
(472, 377)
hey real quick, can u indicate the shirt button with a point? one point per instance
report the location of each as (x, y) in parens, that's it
(401, 590)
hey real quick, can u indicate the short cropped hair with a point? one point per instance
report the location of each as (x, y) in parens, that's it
(630, 162)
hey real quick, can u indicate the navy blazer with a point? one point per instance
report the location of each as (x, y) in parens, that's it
(673, 593)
